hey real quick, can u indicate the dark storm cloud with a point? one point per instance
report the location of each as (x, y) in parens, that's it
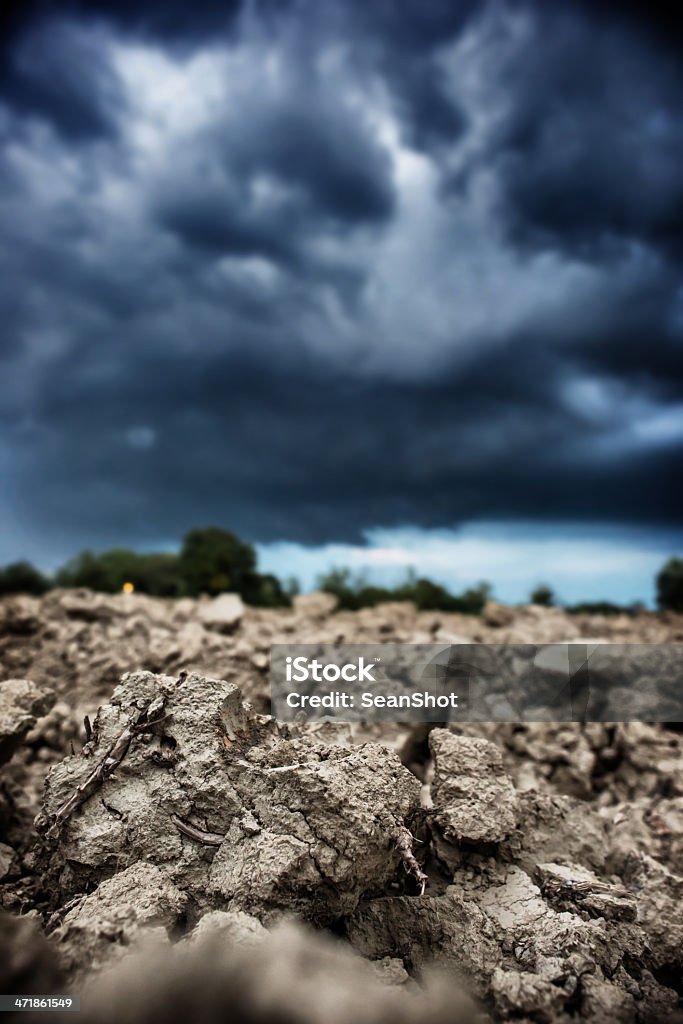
(306, 457)
(592, 148)
(306, 269)
(166, 19)
(58, 73)
(322, 164)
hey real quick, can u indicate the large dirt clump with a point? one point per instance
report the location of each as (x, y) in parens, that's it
(238, 813)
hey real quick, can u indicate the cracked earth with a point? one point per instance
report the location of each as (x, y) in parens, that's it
(165, 843)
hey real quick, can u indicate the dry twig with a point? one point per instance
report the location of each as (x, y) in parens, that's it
(404, 845)
(110, 762)
(208, 838)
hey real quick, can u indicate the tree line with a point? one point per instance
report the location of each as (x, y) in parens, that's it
(210, 561)
(213, 561)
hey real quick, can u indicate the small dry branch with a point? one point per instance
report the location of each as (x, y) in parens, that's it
(208, 838)
(404, 845)
(141, 722)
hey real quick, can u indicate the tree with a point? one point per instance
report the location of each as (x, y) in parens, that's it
(670, 586)
(428, 596)
(85, 570)
(338, 582)
(22, 578)
(472, 600)
(543, 595)
(157, 574)
(597, 608)
(264, 591)
(214, 560)
(354, 593)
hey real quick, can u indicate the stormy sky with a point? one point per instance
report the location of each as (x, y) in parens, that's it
(399, 279)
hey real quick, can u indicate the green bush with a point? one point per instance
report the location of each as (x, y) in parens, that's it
(670, 586)
(598, 608)
(426, 595)
(472, 601)
(354, 593)
(22, 578)
(213, 560)
(84, 570)
(543, 595)
(340, 583)
(157, 574)
(265, 591)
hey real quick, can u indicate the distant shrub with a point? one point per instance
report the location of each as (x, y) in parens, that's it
(428, 596)
(84, 570)
(599, 608)
(472, 600)
(265, 591)
(354, 593)
(543, 595)
(670, 586)
(340, 583)
(22, 578)
(156, 573)
(213, 560)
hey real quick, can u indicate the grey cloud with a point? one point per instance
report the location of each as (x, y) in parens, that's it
(62, 74)
(356, 295)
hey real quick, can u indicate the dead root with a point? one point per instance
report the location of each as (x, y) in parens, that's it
(198, 834)
(144, 721)
(404, 844)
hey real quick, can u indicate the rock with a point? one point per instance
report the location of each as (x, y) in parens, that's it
(192, 639)
(235, 927)
(317, 605)
(448, 931)
(556, 828)
(556, 947)
(238, 817)
(326, 833)
(390, 971)
(86, 605)
(21, 704)
(497, 615)
(55, 730)
(223, 614)
(646, 826)
(601, 1001)
(474, 799)
(557, 758)
(8, 861)
(20, 616)
(141, 896)
(573, 888)
(659, 896)
(518, 993)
